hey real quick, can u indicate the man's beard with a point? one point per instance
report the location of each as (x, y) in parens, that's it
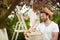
(44, 20)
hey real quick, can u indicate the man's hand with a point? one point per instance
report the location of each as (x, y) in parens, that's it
(26, 32)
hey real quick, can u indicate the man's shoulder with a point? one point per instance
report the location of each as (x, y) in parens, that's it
(53, 23)
(55, 27)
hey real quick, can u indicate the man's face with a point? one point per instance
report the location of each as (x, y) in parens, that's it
(44, 17)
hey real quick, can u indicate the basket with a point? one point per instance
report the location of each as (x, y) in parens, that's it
(35, 36)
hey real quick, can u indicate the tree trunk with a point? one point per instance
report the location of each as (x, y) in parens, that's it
(6, 12)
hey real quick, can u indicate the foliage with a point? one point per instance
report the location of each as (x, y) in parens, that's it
(10, 24)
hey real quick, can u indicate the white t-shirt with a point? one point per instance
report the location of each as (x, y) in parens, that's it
(33, 17)
(47, 31)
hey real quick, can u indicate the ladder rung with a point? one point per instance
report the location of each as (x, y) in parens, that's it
(19, 30)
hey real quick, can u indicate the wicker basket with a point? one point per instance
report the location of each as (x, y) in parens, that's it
(35, 36)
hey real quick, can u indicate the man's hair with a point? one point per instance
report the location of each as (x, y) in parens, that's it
(46, 14)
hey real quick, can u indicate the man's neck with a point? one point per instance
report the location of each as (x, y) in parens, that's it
(47, 22)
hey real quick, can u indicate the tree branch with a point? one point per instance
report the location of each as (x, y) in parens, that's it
(8, 11)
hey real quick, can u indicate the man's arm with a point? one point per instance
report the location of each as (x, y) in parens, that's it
(35, 21)
(55, 36)
(31, 28)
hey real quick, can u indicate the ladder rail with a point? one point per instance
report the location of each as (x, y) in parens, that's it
(14, 30)
(20, 23)
(18, 32)
(21, 17)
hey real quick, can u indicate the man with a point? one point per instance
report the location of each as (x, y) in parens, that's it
(48, 28)
(32, 15)
(34, 18)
